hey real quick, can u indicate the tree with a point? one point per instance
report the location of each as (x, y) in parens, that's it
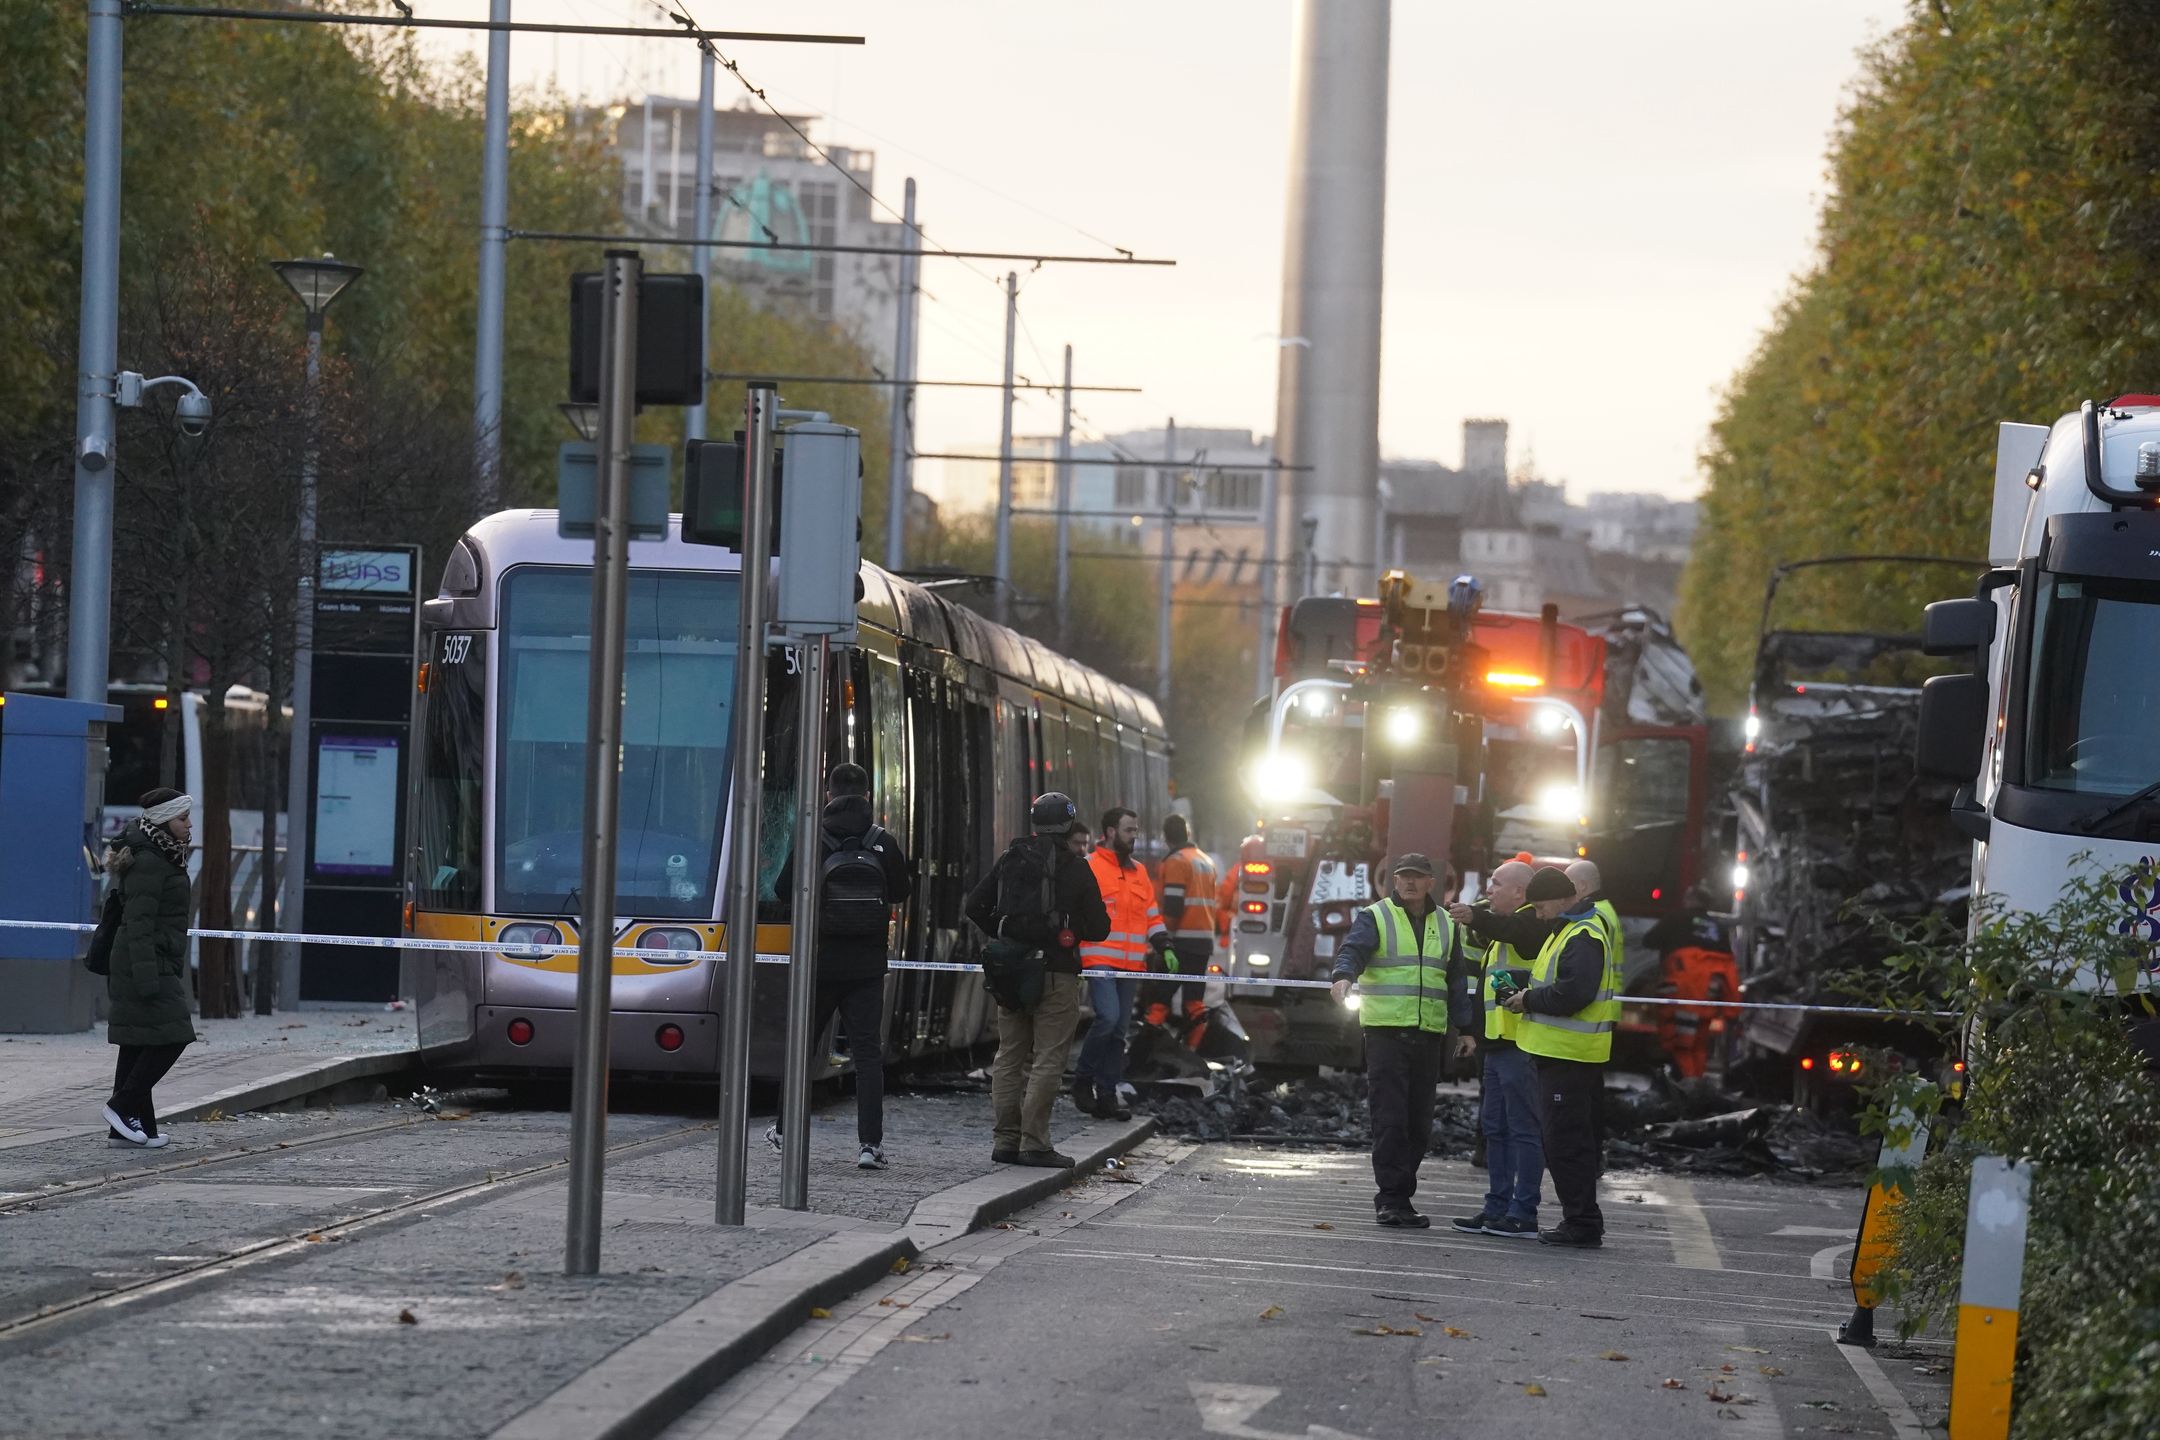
(1990, 251)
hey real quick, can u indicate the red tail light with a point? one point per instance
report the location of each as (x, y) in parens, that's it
(1255, 907)
(520, 1032)
(669, 1037)
(1807, 1062)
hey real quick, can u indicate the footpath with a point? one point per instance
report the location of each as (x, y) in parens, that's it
(372, 1269)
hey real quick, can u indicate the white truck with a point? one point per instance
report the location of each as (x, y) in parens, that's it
(2054, 736)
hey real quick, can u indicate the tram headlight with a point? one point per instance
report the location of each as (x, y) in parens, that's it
(522, 940)
(681, 942)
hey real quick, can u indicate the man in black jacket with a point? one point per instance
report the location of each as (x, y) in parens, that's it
(1033, 1042)
(851, 968)
(1568, 1013)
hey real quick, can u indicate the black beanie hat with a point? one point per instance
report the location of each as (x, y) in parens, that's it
(1550, 883)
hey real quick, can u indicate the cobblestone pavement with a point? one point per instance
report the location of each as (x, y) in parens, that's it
(51, 1085)
(313, 1338)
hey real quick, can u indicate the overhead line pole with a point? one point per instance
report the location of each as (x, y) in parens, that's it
(1169, 560)
(701, 222)
(494, 218)
(1002, 566)
(1064, 506)
(897, 474)
(1264, 647)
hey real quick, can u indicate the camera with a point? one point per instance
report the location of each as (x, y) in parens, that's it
(193, 412)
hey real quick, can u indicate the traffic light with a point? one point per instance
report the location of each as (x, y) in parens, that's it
(713, 494)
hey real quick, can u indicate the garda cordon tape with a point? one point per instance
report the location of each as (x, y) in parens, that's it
(681, 957)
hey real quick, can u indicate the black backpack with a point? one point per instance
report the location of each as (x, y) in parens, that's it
(98, 958)
(1027, 889)
(851, 904)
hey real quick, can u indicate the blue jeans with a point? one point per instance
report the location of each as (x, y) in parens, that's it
(1102, 1052)
(1514, 1142)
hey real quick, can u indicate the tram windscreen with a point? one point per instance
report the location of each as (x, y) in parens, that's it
(678, 701)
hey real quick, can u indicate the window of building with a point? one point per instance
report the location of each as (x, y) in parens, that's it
(1233, 490)
(1135, 486)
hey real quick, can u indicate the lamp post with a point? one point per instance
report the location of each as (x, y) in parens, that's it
(317, 283)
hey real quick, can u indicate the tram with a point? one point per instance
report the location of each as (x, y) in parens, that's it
(959, 721)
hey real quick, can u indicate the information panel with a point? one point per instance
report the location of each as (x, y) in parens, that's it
(356, 805)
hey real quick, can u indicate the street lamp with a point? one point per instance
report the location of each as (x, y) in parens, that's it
(317, 283)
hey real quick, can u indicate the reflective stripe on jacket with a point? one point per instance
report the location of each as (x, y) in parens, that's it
(1405, 983)
(1586, 1035)
(1189, 876)
(1129, 897)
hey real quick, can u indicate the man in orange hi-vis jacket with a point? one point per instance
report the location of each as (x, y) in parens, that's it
(1191, 905)
(1112, 965)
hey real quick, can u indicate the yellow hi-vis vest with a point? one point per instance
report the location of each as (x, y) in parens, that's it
(1405, 985)
(1615, 937)
(1494, 956)
(1587, 1034)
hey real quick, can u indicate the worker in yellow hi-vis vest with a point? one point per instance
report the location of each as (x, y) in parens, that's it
(1567, 1017)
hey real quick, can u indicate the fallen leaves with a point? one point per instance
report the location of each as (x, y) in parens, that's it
(215, 1117)
(891, 1303)
(1729, 1369)
(902, 1265)
(406, 1317)
(1668, 1383)
(819, 1312)
(1770, 1370)
(1273, 1312)
(1383, 1328)
(1322, 1225)
(512, 1280)
(1456, 1333)
(1612, 1355)
(930, 1340)
(1748, 1349)
(313, 1237)
(1533, 1388)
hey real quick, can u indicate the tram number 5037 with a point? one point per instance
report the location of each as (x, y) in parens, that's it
(455, 648)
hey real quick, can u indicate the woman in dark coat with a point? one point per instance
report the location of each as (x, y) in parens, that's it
(147, 983)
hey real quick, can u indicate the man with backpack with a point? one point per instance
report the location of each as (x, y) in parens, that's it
(1038, 905)
(865, 873)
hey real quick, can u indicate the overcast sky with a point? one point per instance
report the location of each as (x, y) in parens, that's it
(1592, 209)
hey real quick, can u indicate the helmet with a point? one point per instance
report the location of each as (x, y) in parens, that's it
(1466, 596)
(1053, 813)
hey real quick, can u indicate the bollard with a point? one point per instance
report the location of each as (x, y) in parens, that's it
(1872, 1246)
(1987, 1329)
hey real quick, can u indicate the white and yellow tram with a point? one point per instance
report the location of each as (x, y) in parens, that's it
(959, 721)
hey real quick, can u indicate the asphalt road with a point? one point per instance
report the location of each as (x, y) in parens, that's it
(1247, 1292)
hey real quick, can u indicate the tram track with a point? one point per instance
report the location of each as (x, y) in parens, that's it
(264, 1251)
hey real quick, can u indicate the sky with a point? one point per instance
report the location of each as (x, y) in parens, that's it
(1593, 210)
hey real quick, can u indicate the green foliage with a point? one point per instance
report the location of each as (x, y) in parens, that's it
(1990, 251)
(2053, 1080)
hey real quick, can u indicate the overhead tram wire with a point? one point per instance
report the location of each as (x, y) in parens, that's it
(412, 22)
(885, 380)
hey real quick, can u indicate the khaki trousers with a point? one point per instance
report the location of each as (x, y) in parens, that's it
(1030, 1066)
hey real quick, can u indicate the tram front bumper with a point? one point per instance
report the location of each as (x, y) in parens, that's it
(523, 1039)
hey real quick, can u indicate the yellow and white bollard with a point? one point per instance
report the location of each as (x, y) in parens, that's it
(1872, 1247)
(1987, 1329)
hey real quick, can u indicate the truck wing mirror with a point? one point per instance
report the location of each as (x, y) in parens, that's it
(1953, 726)
(1955, 626)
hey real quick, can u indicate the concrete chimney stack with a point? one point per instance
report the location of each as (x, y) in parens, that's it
(1327, 397)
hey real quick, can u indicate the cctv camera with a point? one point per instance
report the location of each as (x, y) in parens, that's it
(193, 413)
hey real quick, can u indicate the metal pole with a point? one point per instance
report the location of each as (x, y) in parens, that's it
(746, 798)
(494, 237)
(701, 256)
(898, 473)
(603, 757)
(299, 734)
(98, 361)
(1169, 559)
(802, 958)
(1264, 651)
(1064, 505)
(1002, 602)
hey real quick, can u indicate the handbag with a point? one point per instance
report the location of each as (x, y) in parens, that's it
(1013, 973)
(98, 958)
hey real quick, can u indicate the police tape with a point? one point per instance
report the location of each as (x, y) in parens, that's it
(950, 967)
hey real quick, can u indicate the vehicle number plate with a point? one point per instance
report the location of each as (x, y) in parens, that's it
(1288, 843)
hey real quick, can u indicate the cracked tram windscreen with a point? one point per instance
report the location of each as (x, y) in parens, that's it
(678, 704)
(2094, 687)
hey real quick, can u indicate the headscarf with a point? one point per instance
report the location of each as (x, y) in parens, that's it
(172, 809)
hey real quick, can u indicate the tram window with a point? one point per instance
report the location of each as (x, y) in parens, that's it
(888, 751)
(453, 759)
(135, 751)
(780, 793)
(678, 700)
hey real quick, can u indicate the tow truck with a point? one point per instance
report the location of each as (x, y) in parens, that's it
(1419, 721)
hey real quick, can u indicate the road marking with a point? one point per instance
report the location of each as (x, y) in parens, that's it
(1822, 1265)
(1225, 1409)
(1904, 1424)
(1813, 1232)
(1686, 1225)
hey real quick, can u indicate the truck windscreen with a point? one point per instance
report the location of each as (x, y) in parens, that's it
(2094, 686)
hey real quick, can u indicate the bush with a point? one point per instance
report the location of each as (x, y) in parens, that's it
(2043, 1000)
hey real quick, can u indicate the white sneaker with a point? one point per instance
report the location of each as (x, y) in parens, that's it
(128, 1130)
(156, 1142)
(871, 1158)
(772, 1137)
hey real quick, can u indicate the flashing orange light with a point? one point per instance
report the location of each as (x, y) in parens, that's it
(1254, 907)
(1214, 970)
(1958, 1066)
(1258, 867)
(1837, 1062)
(420, 683)
(161, 703)
(1514, 680)
(1807, 1062)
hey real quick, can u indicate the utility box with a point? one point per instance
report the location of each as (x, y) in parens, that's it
(820, 533)
(50, 791)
